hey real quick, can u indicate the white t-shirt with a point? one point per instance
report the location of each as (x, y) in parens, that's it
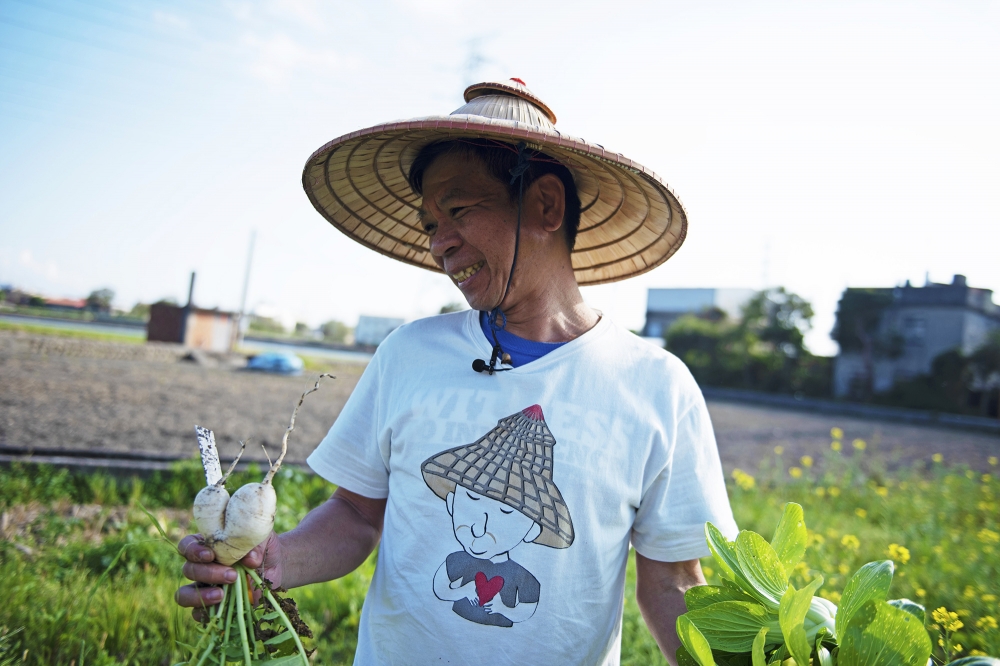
(468, 464)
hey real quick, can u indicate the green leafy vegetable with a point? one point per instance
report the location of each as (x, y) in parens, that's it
(757, 618)
(757, 649)
(869, 582)
(760, 566)
(789, 540)
(878, 633)
(694, 642)
(795, 605)
(731, 626)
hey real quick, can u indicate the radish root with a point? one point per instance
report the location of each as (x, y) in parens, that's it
(291, 426)
(225, 477)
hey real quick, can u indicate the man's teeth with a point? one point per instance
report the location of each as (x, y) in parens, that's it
(466, 273)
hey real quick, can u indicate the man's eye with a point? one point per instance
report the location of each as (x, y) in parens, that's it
(475, 499)
(455, 211)
(502, 510)
(430, 228)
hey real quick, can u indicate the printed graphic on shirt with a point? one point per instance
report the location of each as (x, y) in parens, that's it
(499, 492)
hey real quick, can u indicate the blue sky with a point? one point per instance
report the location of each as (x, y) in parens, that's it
(816, 145)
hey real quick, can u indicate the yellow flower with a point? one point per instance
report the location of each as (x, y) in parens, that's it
(795, 472)
(743, 480)
(969, 474)
(986, 478)
(899, 553)
(988, 536)
(850, 542)
(987, 623)
(921, 592)
(834, 491)
(820, 491)
(707, 571)
(969, 592)
(836, 445)
(947, 619)
(833, 596)
(807, 461)
(977, 653)
(988, 597)
(843, 569)
(937, 457)
(778, 450)
(859, 444)
(957, 647)
(860, 513)
(993, 460)
(882, 491)
(836, 433)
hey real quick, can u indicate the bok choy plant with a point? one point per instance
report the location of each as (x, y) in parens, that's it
(756, 617)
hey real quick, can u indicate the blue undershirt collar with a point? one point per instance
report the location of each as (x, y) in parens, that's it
(521, 350)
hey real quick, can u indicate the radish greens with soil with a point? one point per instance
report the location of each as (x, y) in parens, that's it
(232, 526)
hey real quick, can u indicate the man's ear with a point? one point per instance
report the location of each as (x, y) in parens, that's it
(449, 502)
(552, 199)
(533, 533)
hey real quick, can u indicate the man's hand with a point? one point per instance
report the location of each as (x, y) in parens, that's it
(659, 591)
(333, 540)
(208, 574)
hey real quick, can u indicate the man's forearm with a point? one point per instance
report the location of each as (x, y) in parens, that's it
(659, 591)
(333, 540)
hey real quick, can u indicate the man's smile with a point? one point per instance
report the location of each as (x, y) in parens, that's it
(464, 274)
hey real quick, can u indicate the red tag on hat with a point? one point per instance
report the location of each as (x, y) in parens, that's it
(519, 81)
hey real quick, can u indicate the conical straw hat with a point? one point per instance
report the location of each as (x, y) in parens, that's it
(630, 222)
(512, 464)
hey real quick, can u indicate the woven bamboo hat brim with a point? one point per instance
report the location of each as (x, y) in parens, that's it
(631, 222)
(512, 464)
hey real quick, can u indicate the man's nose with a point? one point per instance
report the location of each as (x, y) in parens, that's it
(481, 524)
(445, 240)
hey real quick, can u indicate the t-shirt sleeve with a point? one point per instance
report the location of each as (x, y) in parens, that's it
(687, 490)
(354, 453)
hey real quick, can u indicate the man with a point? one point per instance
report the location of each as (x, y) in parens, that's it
(518, 215)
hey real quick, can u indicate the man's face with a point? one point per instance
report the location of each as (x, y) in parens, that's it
(485, 527)
(471, 221)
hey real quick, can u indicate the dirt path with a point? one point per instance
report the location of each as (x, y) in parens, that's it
(78, 394)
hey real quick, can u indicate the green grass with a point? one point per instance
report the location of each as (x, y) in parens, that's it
(946, 519)
(41, 329)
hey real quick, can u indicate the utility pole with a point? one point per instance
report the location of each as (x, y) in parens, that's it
(246, 286)
(187, 309)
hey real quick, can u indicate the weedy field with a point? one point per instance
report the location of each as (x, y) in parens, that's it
(88, 579)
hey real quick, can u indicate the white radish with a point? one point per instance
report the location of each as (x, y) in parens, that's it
(233, 526)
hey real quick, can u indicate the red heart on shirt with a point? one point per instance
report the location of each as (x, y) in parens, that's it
(487, 588)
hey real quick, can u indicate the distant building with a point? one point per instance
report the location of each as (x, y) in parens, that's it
(66, 303)
(930, 320)
(198, 328)
(373, 330)
(665, 306)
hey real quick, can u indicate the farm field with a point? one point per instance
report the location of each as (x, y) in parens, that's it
(73, 393)
(89, 580)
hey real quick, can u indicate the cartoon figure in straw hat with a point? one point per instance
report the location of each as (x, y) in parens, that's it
(499, 492)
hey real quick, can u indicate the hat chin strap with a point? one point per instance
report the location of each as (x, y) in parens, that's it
(496, 314)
